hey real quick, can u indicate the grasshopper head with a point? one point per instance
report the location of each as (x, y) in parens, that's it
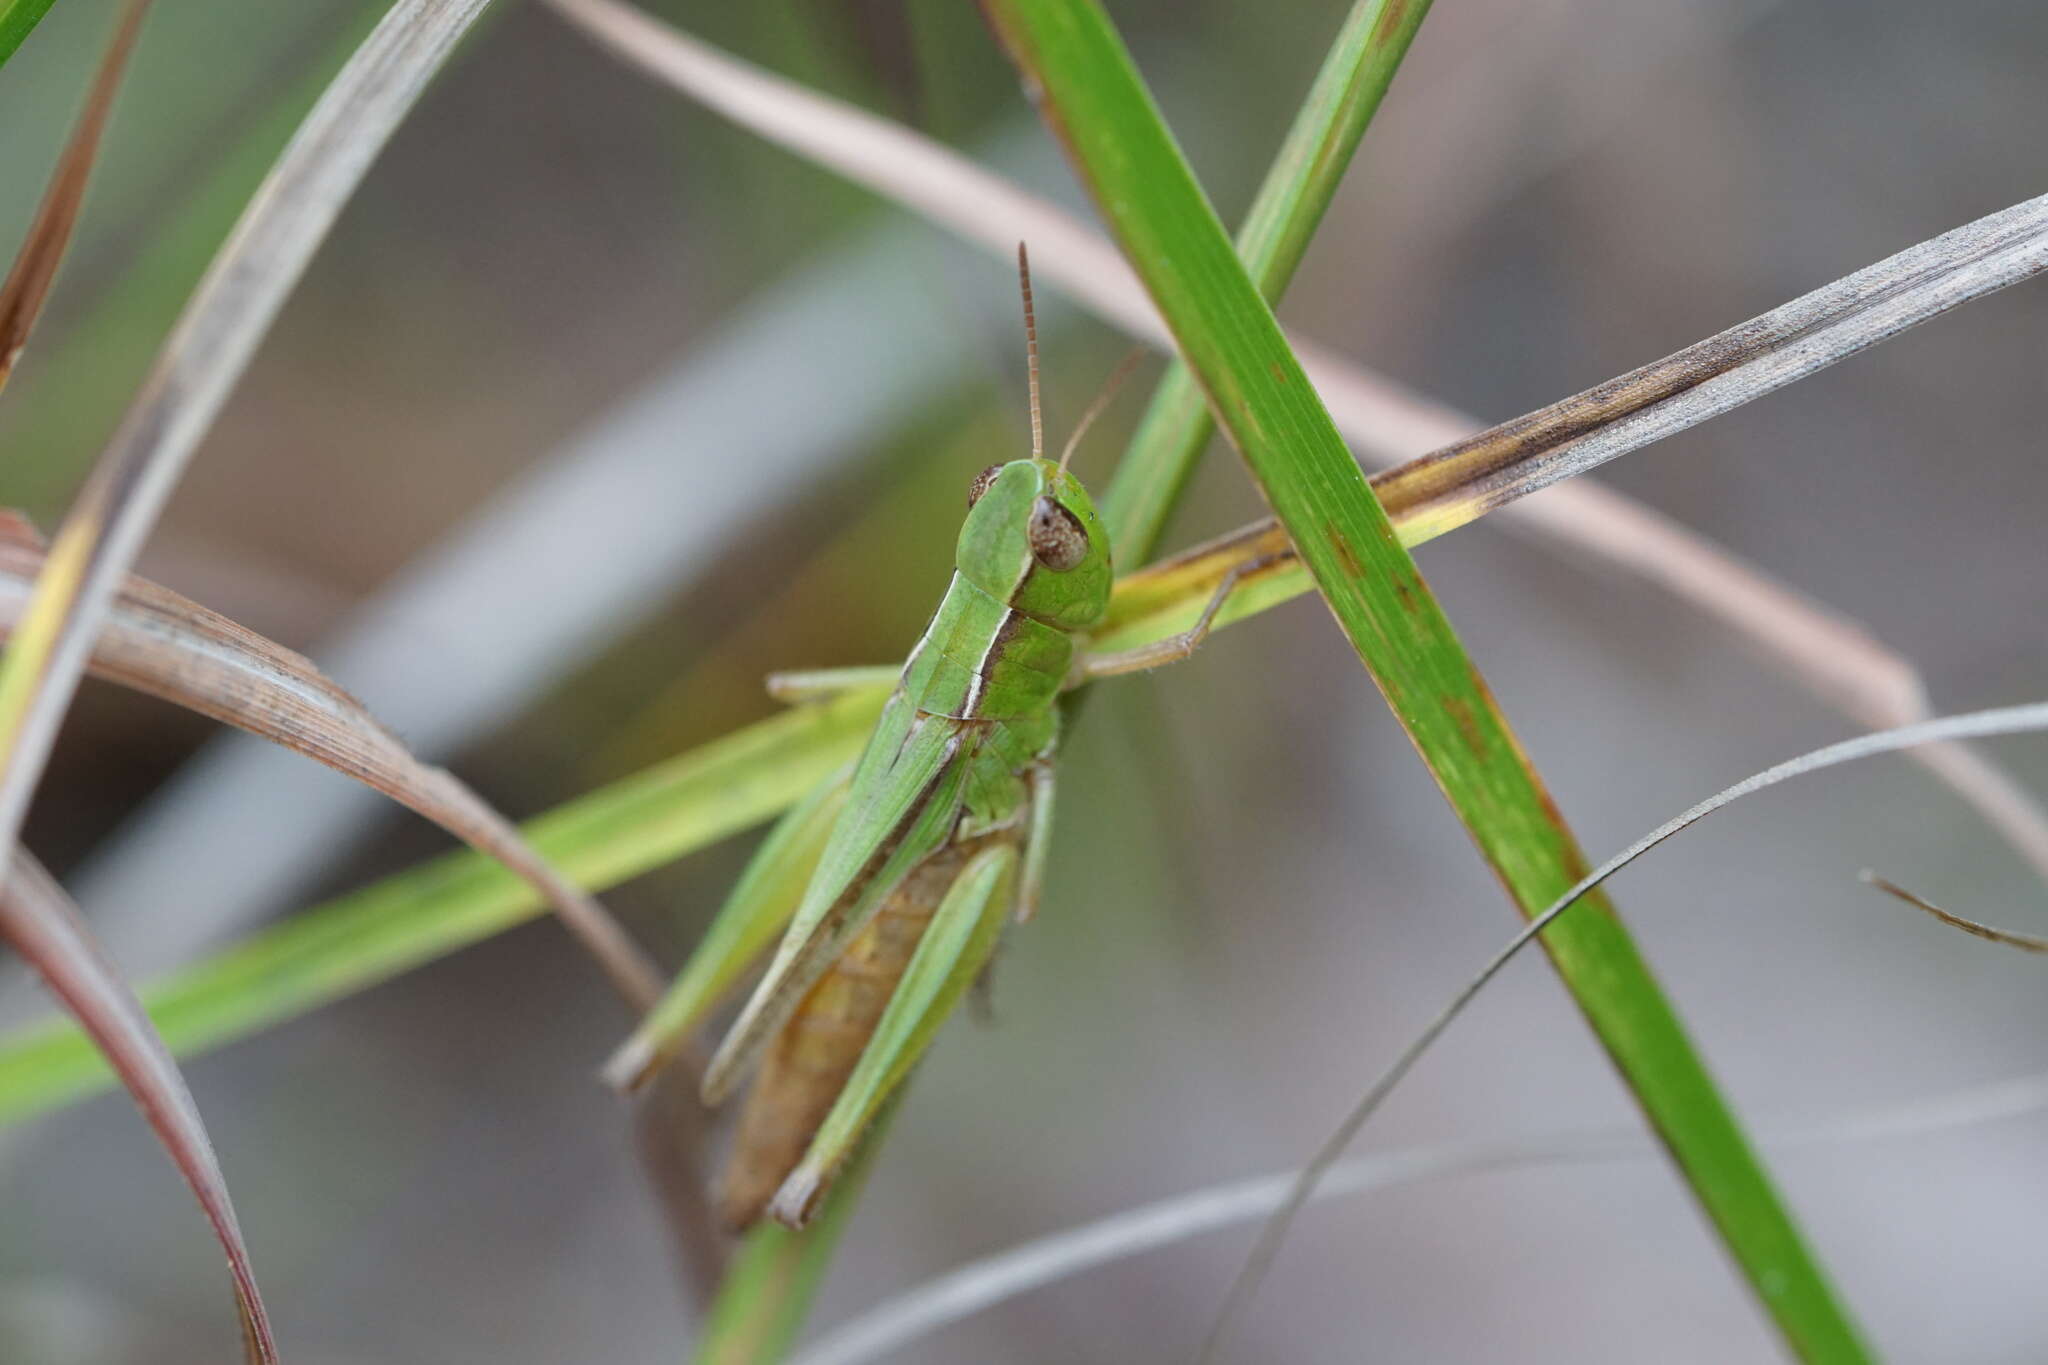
(1032, 539)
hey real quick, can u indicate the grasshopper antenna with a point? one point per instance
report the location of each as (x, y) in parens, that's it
(1031, 353)
(1095, 409)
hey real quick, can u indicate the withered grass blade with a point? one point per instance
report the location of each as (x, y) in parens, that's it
(155, 641)
(35, 266)
(41, 924)
(1513, 459)
(204, 356)
(1991, 933)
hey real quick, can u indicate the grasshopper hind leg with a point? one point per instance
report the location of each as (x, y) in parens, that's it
(950, 953)
(809, 1065)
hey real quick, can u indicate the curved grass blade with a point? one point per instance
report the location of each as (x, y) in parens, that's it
(2006, 720)
(35, 266)
(1831, 656)
(158, 642)
(2026, 943)
(959, 1293)
(205, 355)
(41, 924)
(754, 915)
(1095, 102)
(373, 934)
(1530, 453)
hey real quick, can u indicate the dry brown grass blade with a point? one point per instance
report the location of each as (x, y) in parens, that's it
(158, 642)
(669, 1123)
(1830, 655)
(41, 923)
(205, 355)
(2026, 943)
(1513, 459)
(49, 233)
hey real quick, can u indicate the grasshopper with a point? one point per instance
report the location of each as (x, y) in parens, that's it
(895, 878)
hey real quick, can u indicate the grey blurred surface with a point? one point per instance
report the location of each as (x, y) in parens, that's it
(1256, 892)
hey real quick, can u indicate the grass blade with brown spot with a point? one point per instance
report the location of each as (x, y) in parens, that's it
(27, 285)
(41, 924)
(1291, 201)
(1091, 95)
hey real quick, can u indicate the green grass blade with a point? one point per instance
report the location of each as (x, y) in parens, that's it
(1284, 215)
(18, 19)
(371, 935)
(1093, 97)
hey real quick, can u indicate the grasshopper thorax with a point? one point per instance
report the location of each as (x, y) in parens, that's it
(1032, 539)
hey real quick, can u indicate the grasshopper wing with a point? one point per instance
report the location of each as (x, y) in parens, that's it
(954, 949)
(760, 905)
(905, 798)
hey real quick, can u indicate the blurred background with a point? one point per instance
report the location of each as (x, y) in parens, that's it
(595, 409)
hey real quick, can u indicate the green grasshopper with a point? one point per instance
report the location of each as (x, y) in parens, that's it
(895, 878)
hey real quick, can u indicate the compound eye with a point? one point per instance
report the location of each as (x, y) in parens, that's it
(1057, 539)
(981, 483)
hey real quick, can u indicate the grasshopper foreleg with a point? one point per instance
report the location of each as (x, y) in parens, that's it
(1175, 647)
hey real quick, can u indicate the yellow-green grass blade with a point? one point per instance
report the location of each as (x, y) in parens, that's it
(954, 949)
(1347, 91)
(371, 935)
(1094, 99)
(752, 918)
